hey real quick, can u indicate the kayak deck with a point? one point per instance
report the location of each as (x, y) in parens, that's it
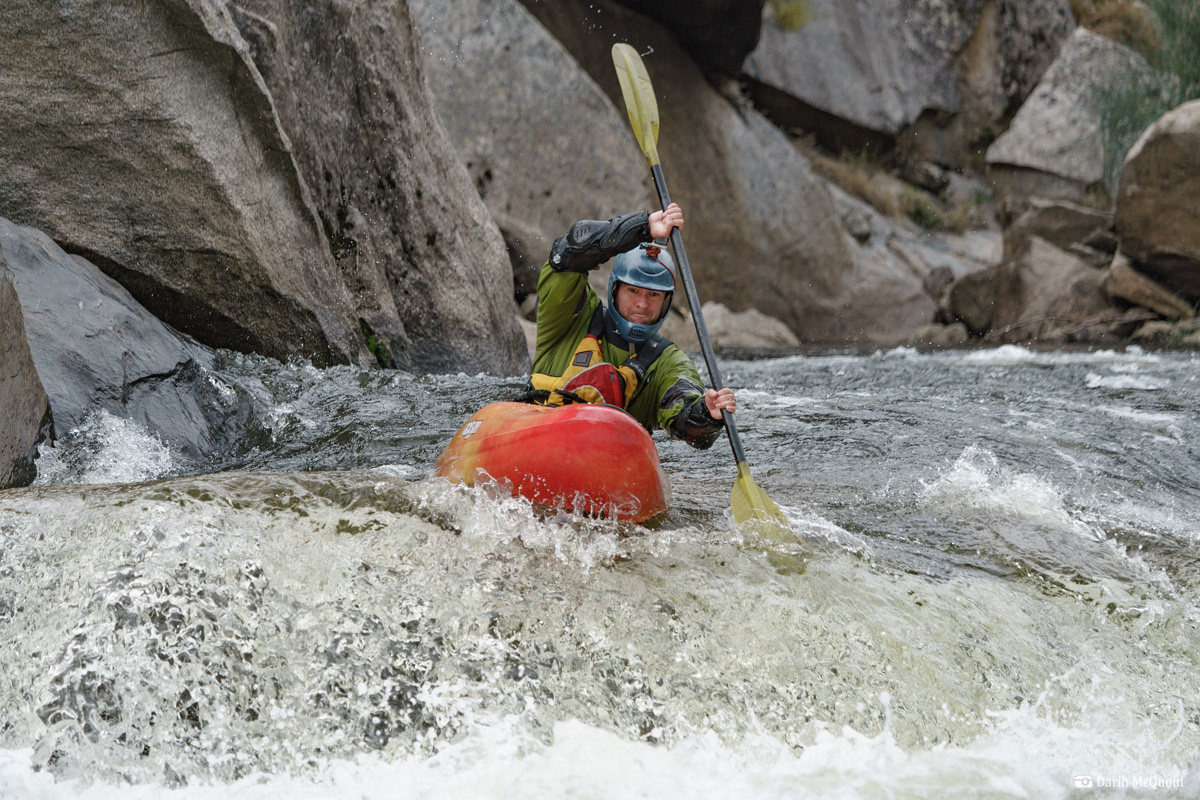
(591, 459)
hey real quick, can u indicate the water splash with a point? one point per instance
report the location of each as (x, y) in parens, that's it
(106, 449)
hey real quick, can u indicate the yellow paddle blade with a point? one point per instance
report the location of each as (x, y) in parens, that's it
(757, 514)
(639, 99)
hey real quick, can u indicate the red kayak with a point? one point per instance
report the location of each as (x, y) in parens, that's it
(587, 458)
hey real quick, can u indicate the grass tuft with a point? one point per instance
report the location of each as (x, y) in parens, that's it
(1134, 98)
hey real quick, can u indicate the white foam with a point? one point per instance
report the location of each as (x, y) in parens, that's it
(977, 482)
(405, 471)
(1126, 381)
(1024, 754)
(758, 399)
(105, 449)
(1005, 354)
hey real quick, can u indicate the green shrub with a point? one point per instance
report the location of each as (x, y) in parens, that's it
(1134, 98)
(792, 15)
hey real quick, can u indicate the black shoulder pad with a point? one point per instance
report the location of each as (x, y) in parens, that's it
(591, 242)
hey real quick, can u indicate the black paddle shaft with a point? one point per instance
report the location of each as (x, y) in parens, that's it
(689, 288)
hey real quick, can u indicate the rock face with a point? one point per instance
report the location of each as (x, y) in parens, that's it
(151, 144)
(763, 231)
(1041, 293)
(718, 34)
(96, 348)
(1053, 147)
(1158, 220)
(934, 77)
(853, 61)
(554, 151)
(406, 226)
(25, 419)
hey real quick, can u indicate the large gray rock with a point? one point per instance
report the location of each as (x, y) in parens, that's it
(545, 146)
(25, 419)
(1053, 147)
(869, 63)
(137, 135)
(729, 330)
(406, 225)
(1041, 293)
(96, 348)
(313, 207)
(763, 231)
(1158, 219)
(935, 76)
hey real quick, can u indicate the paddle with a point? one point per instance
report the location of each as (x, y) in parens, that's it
(752, 509)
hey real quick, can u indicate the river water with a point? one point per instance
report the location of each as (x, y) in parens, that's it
(1004, 599)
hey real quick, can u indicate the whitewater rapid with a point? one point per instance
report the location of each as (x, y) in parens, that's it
(1004, 600)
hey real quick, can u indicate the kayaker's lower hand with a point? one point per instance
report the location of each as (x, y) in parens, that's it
(720, 399)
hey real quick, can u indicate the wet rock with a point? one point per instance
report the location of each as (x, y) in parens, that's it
(150, 146)
(1041, 293)
(555, 151)
(405, 223)
(96, 348)
(1126, 284)
(1060, 223)
(25, 419)
(1052, 149)
(1158, 220)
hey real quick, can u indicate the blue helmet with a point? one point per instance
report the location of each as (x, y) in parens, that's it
(649, 266)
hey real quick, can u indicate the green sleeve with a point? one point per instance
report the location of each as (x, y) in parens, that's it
(670, 368)
(565, 305)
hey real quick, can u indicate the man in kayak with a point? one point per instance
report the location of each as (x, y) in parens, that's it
(612, 352)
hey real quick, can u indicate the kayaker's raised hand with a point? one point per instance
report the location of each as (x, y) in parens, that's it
(720, 399)
(661, 222)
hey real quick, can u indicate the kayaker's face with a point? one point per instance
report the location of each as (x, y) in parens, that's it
(640, 306)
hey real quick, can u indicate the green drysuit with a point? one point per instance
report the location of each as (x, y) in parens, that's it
(670, 397)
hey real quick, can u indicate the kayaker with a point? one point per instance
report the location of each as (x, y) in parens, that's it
(612, 351)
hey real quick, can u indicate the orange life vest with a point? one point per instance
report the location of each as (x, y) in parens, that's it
(592, 379)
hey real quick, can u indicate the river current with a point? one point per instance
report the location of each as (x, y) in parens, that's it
(1004, 600)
